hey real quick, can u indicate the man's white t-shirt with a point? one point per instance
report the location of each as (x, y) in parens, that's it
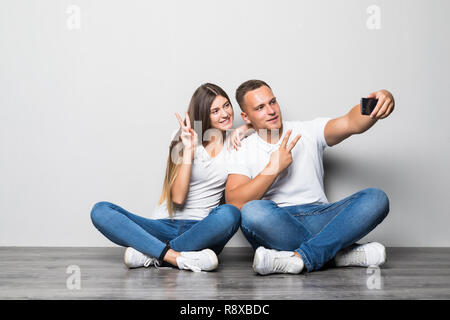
(207, 183)
(302, 181)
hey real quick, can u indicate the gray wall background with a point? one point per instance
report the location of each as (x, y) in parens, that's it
(87, 105)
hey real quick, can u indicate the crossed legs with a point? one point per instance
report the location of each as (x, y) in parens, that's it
(315, 231)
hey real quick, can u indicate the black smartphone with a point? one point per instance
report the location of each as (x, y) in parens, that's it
(367, 105)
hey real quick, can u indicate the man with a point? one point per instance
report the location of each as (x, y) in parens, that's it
(278, 185)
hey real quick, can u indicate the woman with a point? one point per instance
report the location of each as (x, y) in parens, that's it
(190, 227)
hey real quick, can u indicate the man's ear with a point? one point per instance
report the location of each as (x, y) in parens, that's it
(245, 117)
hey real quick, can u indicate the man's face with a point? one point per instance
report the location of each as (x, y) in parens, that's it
(262, 109)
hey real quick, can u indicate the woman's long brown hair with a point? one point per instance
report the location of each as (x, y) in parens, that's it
(199, 110)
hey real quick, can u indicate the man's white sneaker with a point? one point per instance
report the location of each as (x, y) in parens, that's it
(361, 255)
(136, 259)
(205, 260)
(267, 261)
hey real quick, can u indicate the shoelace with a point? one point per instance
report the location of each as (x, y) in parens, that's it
(148, 262)
(158, 264)
(155, 262)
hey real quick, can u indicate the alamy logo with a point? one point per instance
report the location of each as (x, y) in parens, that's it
(374, 20)
(374, 281)
(73, 282)
(73, 21)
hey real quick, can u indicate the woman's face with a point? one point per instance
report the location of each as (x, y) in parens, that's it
(221, 114)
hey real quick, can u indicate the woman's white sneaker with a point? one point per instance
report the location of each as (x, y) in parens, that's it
(205, 260)
(267, 261)
(361, 255)
(136, 259)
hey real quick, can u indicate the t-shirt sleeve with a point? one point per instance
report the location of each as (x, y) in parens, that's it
(236, 163)
(319, 131)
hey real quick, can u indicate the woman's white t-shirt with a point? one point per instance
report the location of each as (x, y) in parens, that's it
(206, 187)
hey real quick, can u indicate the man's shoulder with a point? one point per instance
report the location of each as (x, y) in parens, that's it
(305, 125)
(299, 123)
(312, 130)
(249, 141)
(248, 146)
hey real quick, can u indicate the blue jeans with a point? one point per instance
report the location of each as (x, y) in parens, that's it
(316, 231)
(153, 237)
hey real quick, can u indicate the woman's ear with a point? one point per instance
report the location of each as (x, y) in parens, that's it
(245, 117)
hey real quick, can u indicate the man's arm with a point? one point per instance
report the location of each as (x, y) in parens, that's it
(339, 129)
(240, 189)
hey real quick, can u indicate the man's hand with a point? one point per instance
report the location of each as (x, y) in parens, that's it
(240, 189)
(281, 158)
(385, 104)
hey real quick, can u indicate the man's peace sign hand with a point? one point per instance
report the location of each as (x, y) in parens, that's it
(282, 158)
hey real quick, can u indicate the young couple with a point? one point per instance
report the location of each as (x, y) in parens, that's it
(273, 189)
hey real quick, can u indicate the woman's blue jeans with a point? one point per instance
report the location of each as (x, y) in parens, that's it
(153, 237)
(316, 231)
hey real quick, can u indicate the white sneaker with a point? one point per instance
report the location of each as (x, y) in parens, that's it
(268, 261)
(136, 259)
(197, 261)
(361, 255)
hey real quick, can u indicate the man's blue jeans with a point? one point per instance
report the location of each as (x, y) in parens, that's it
(316, 231)
(154, 236)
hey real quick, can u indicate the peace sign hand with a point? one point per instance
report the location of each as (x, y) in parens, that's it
(282, 158)
(188, 135)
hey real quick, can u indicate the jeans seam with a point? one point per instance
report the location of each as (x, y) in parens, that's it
(313, 213)
(349, 199)
(253, 234)
(318, 233)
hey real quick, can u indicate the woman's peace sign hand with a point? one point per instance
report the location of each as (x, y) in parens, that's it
(188, 135)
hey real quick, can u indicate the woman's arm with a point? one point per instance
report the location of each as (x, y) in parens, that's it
(238, 134)
(180, 186)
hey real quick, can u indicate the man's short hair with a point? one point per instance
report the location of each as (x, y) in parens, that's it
(247, 86)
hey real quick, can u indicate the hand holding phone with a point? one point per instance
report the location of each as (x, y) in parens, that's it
(367, 105)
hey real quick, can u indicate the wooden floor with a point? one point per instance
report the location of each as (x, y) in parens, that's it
(41, 273)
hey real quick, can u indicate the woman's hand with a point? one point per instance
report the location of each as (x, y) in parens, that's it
(180, 186)
(235, 138)
(188, 135)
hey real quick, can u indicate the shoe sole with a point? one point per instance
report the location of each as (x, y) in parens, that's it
(381, 251)
(125, 258)
(126, 261)
(214, 259)
(258, 261)
(380, 254)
